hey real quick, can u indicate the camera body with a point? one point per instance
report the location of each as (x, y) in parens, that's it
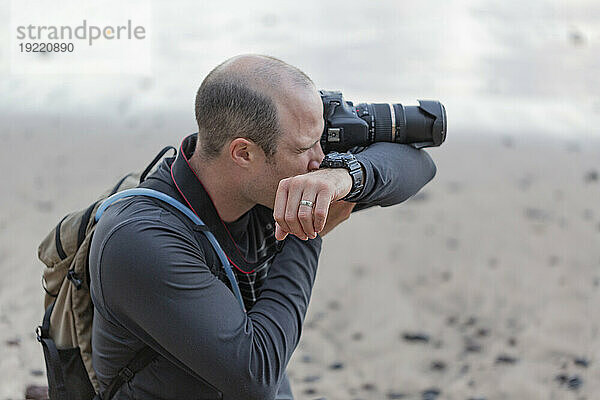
(348, 126)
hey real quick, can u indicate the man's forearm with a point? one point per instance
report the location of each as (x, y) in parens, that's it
(393, 172)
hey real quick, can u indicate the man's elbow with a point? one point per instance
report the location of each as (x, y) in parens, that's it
(429, 166)
(253, 390)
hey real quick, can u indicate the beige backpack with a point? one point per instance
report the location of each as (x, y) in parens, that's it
(66, 329)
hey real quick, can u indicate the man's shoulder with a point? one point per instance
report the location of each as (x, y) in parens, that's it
(141, 217)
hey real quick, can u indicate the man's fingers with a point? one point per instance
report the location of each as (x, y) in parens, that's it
(321, 209)
(305, 214)
(280, 206)
(291, 211)
(280, 234)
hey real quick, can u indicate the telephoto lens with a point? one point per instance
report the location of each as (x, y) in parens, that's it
(348, 126)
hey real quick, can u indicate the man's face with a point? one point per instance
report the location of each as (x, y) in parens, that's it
(298, 149)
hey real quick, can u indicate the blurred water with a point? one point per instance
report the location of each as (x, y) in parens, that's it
(506, 67)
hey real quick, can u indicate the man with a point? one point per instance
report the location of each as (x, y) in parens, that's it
(252, 175)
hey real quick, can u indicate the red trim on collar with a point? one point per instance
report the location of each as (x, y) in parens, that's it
(194, 211)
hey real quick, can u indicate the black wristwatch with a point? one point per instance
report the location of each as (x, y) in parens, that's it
(349, 162)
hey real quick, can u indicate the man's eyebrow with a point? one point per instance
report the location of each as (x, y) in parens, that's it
(306, 148)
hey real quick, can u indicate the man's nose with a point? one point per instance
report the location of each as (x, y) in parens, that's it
(318, 158)
(313, 165)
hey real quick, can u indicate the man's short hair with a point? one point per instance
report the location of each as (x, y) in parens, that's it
(236, 99)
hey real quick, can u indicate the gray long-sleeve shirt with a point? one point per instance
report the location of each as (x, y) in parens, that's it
(155, 281)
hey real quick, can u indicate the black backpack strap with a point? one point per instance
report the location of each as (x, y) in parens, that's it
(56, 379)
(156, 159)
(139, 361)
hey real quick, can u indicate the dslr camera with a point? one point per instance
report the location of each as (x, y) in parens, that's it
(348, 126)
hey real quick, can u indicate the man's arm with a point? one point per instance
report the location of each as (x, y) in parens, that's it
(393, 173)
(154, 281)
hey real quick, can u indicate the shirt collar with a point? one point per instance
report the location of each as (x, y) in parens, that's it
(190, 187)
(191, 192)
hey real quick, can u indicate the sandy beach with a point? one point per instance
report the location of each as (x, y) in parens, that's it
(485, 285)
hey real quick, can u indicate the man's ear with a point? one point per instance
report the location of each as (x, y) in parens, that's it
(243, 152)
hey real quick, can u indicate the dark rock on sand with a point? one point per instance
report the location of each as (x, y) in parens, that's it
(306, 358)
(483, 332)
(310, 391)
(561, 378)
(34, 392)
(574, 382)
(417, 337)
(581, 362)
(471, 346)
(438, 365)
(336, 365)
(369, 387)
(590, 176)
(395, 395)
(430, 394)
(506, 359)
(311, 378)
(13, 342)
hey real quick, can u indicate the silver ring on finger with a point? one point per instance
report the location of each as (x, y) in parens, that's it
(306, 203)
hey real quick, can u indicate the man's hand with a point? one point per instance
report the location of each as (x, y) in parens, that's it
(339, 211)
(321, 187)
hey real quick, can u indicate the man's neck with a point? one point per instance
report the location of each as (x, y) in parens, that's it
(223, 192)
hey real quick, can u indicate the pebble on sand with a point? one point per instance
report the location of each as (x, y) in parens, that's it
(506, 359)
(336, 365)
(13, 342)
(311, 378)
(582, 362)
(416, 337)
(471, 346)
(573, 382)
(438, 365)
(395, 395)
(431, 394)
(34, 392)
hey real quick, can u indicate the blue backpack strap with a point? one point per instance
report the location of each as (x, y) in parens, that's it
(188, 213)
